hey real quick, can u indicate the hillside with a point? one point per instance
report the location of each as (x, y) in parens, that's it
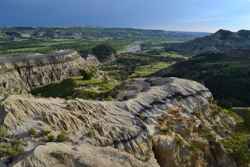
(226, 75)
(221, 41)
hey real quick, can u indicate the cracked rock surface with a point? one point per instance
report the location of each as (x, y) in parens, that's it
(166, 122)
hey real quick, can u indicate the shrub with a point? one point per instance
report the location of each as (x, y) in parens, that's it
(238, 148)
(11, 149)
(32, 132)
(87, 75)
(45, 132)
(3, 131)
(61, 137)
(103, 52)
(50, 138)
(91, 133)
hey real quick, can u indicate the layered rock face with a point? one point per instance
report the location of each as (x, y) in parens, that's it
(168, 123)
(20, 74)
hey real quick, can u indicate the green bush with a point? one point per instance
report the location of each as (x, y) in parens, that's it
(91, 133)
(237, 147)
(61, 137)
(32, 132)
(11, 149)
(88, 74)
(50, 138)
(3, 131)
(103, 51)
(45, 132)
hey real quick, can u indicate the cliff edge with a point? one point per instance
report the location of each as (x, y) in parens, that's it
(20, 74)
(172, 123)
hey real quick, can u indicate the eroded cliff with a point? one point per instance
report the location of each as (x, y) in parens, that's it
(171, 122)
(22, 73)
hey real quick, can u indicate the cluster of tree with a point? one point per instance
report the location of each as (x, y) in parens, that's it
(227, 77)
(104, 52)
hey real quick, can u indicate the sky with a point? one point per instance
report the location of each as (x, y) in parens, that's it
(182, 15)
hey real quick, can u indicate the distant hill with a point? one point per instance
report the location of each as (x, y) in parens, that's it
(226, 75)
(221, 41)
(16, 33)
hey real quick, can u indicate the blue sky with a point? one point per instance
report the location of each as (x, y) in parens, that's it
(185, 15)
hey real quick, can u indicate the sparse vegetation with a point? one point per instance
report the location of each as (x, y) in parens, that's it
(32, 132)
(89, 74)
(11, 149)
(3, 132)
(50, 138)
(124, 67)
(77, 87)
(137, 65)
(62, 137)
(45, 132)
(238, 144)
(91, 133)
(147, 70)
(238, 147)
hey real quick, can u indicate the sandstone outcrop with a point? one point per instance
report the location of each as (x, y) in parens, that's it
(170, 123)
(22, 73)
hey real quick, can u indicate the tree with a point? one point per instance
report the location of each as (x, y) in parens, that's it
(103, 52)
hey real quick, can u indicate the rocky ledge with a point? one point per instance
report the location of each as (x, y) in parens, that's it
(171, 122)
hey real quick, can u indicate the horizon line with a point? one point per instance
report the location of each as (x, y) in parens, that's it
(104, 27)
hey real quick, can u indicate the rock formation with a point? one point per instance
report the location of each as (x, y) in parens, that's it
(169, 123)
(22, 73)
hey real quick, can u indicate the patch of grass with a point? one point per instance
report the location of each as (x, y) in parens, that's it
(172, 54)
(144, 71)
(77, 87)
(127, 64)
(62, 89)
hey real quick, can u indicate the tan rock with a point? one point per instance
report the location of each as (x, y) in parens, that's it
(20, 74)
(172, 122)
